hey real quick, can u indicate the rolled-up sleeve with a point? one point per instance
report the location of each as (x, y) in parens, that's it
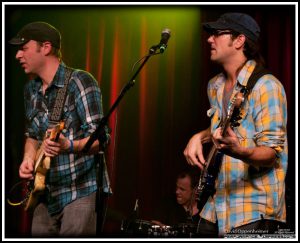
(270, 113)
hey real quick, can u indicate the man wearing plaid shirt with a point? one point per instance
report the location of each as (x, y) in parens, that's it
(250, 187)
(68, 207)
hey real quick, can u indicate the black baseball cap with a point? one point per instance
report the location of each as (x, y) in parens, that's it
(239, 22)
(38, 31)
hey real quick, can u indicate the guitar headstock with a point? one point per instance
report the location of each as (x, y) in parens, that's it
(235, 112)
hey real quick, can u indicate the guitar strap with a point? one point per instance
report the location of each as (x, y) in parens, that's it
(257, 73)
(56, 113)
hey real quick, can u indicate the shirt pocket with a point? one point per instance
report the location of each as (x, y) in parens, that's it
(68, 115)
(36, 124)
(31, 114)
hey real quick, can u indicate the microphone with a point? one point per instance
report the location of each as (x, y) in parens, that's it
(165, 35)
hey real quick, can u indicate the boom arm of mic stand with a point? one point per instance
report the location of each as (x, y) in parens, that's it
(96, 135)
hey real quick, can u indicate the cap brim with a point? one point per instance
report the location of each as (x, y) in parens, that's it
(17, 41)
(215, 26)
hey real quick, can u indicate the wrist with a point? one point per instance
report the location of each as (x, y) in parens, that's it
(28, 158)
(245, 153)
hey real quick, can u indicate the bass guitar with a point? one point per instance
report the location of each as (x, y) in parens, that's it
(206, 185)
(41, 166)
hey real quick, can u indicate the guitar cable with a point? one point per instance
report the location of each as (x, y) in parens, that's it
(10, 193)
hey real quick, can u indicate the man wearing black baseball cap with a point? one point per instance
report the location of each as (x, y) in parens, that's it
(248, 173)
(59, 93)
(38, 31)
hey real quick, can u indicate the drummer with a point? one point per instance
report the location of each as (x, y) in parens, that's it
(181, 212)
(181, 207)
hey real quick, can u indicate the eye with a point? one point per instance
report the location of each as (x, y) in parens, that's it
(23, 48)
(217, 33)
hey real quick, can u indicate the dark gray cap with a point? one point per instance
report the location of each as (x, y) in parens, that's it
(239, 22)
(38, 31)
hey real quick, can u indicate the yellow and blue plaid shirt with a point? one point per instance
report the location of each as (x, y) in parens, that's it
(244, 193)
(70, 176)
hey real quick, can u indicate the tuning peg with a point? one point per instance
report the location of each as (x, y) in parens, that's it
(235, 124)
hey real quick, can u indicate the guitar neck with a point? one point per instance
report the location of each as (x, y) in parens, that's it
(209, 173)
(211, 158)
(224, 125)
(39, 157)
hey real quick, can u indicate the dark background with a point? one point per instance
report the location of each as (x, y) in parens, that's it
(162, 111)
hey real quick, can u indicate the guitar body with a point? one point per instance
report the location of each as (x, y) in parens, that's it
(41, 167)
(207, 186)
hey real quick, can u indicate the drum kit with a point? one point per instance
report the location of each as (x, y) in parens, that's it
(146, 229)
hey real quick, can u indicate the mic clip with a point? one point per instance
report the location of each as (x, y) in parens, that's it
(161, 48)
(153, 49)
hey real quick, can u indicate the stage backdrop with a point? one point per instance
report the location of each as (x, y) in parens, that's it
(166, 106)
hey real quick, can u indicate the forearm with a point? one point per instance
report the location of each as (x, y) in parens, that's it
(205, 136)
(194, 150)
(258, 156)
(78, 146)
(30, 149)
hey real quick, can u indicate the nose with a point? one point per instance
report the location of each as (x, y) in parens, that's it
(19, 54)
(210, 39)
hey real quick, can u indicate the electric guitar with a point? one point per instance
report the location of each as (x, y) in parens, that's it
(41, 166)
(206, 185)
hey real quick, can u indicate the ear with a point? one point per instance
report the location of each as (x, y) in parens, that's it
(239, 41)
(47, 46)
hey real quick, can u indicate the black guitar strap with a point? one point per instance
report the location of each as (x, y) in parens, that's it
(257, 73)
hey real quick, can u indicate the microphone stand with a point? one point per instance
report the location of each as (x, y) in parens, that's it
(100, 135)
(100, 129)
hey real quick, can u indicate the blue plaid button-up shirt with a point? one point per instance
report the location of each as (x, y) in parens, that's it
(70, 176)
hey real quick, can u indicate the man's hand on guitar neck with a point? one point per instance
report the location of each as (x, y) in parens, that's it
(228, 143)
(52, 148)
(256, 156)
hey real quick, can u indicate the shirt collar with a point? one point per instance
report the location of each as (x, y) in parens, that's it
(246, 72)
(58, 80)
(242, 78)
(59, 77)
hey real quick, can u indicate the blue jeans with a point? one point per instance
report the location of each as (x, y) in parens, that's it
(78, 218)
